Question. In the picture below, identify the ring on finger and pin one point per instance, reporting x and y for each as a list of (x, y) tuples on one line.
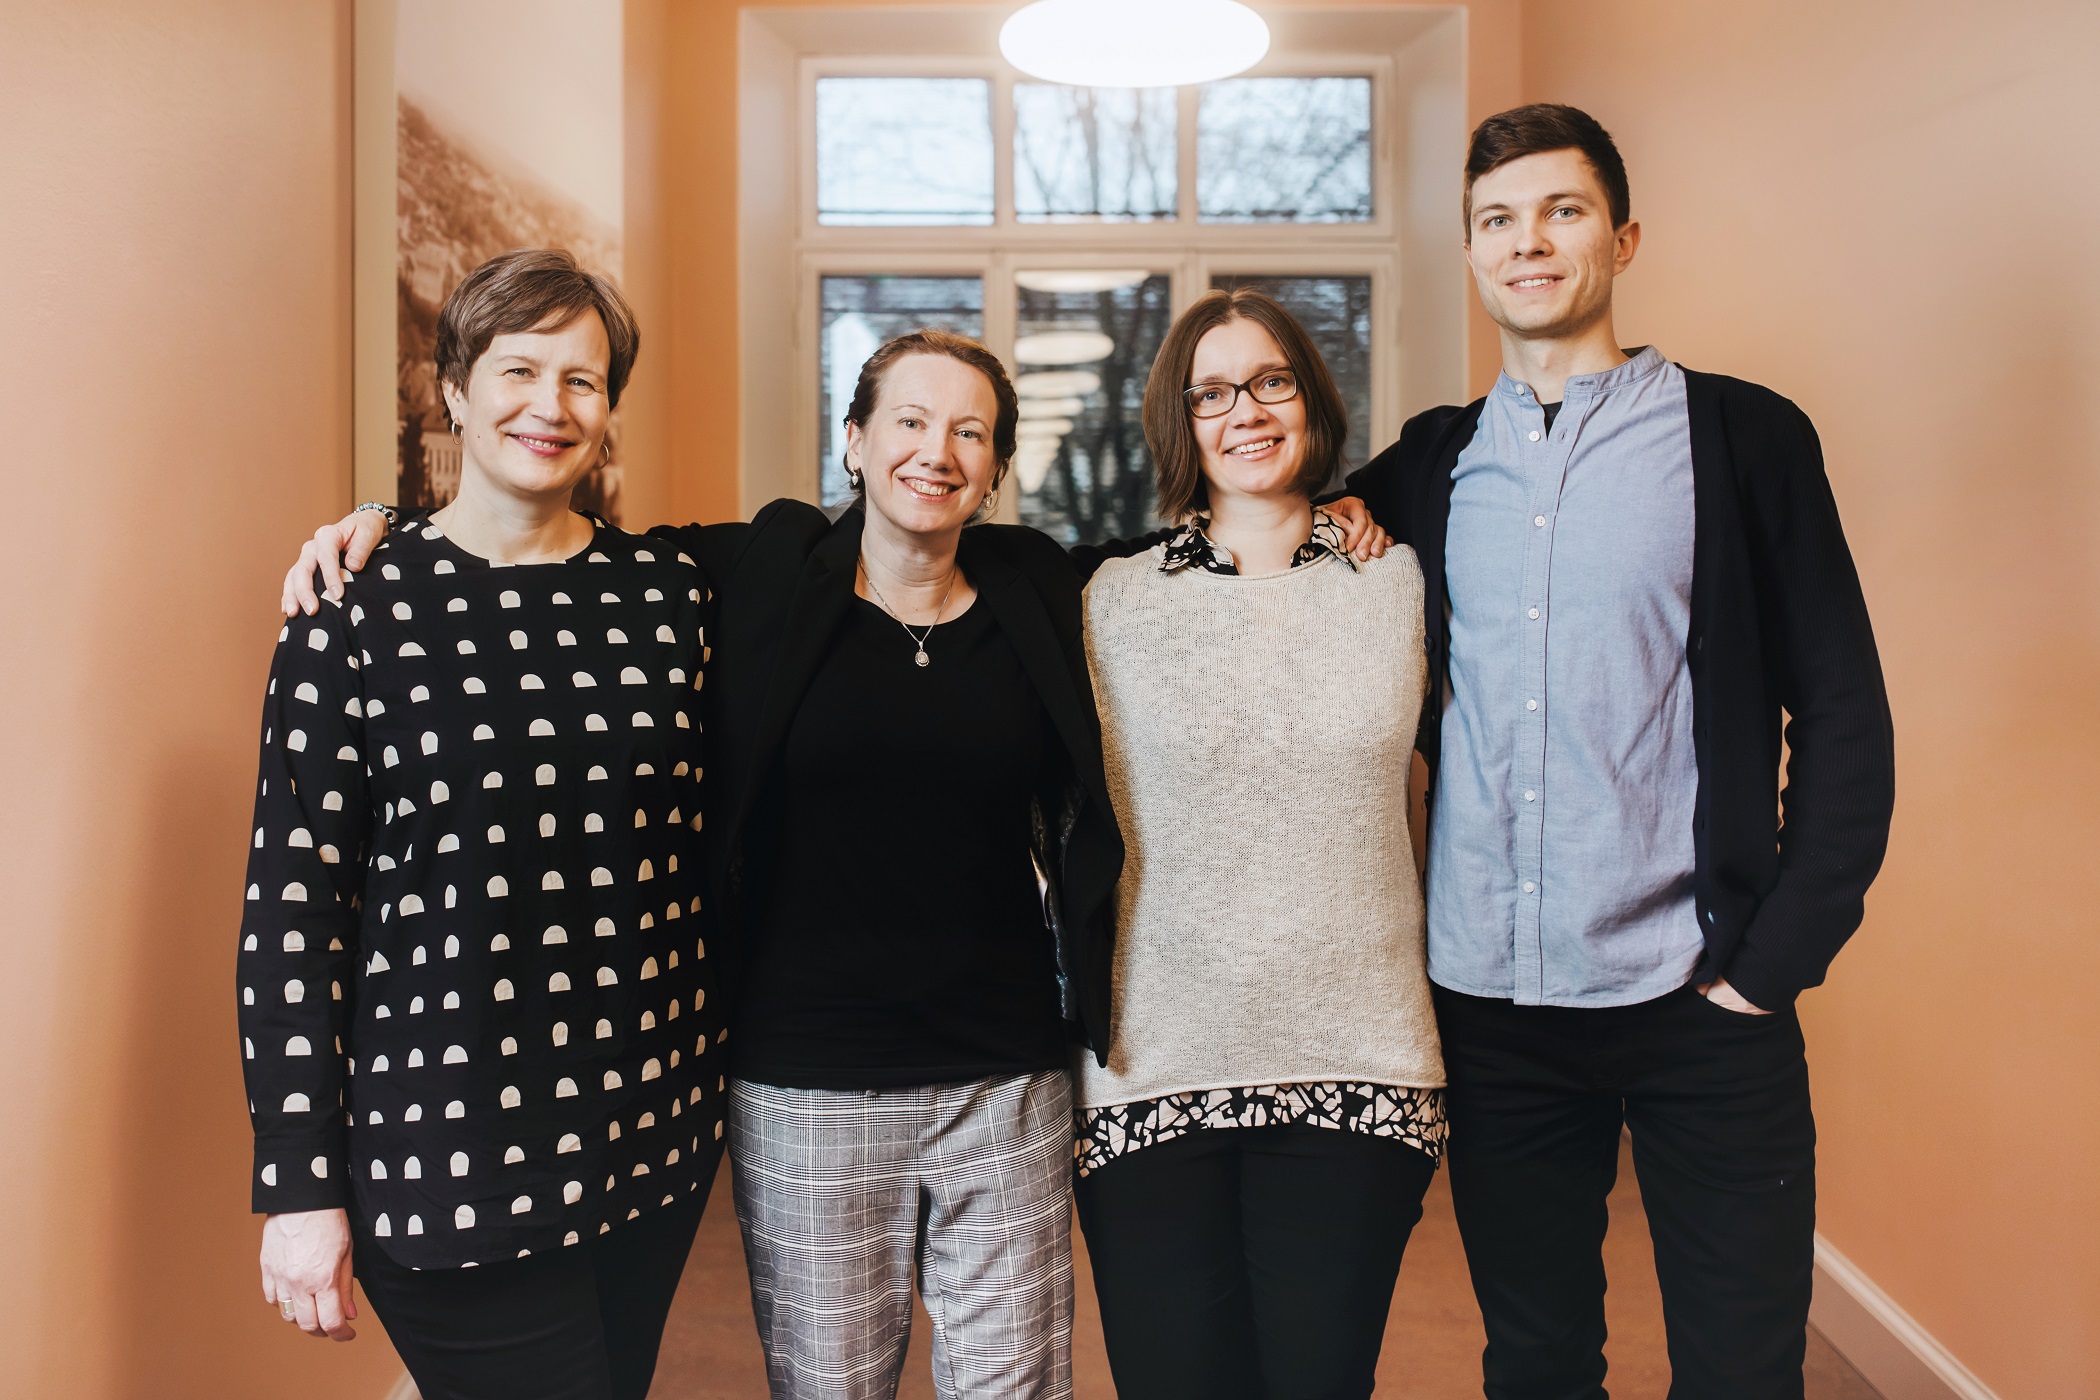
[(284, 1305)]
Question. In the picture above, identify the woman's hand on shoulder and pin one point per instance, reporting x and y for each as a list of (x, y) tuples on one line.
[(306, 1271), (345, 545), (1361, 535)]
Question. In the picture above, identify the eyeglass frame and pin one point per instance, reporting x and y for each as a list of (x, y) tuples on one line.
[(1237, 389)]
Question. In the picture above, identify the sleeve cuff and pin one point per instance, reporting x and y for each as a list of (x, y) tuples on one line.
[(291, 1176), (1761, 984)]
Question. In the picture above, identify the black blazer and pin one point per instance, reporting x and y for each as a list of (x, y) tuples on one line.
[(1779, 625), (780, 587)]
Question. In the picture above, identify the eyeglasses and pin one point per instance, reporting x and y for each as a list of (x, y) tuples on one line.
[(1214, 399)]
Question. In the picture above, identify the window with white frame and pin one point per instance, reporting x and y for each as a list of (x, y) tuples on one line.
[(1066, 227)]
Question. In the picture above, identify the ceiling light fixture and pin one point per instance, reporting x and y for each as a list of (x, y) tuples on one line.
[(1133, 43), (1113, 279), (1063, 348)]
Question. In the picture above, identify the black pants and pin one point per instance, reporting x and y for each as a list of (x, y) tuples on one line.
[(578, 1323), (1253, 1263), (1725, 1148)]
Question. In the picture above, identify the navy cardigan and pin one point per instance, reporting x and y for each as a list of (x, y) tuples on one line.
[(1779, 628)]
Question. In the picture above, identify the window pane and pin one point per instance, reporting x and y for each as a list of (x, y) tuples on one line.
[(904, 151), (1086, 340), (1336, 313), (858, 314), (1093, 153), (1284, 150)]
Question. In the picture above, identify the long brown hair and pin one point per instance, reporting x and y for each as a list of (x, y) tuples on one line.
[(1170, 429)]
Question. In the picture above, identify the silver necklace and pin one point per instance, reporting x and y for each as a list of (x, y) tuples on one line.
[(918, 638)]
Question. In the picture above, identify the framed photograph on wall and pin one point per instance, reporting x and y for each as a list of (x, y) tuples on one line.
[(481, 126)]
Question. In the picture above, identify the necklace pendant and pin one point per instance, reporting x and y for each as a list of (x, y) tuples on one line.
[(922, 658)]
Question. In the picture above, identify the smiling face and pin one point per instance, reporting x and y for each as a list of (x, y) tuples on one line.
[(1542, 247), (533, 414), (1255, 449), (925, 453)]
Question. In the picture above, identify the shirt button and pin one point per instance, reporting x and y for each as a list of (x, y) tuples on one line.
[(1530, 796), (1531, 704), (1534, 434), (1529, 887), (1539, 520), (1534, 614)]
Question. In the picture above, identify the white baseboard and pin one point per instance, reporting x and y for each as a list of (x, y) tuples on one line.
[(1885, 1344), (404, 1389)]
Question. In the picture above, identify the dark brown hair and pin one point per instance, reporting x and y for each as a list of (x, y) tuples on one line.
[(1170, 429), (955, 347), (531, 289), (1542, 127)]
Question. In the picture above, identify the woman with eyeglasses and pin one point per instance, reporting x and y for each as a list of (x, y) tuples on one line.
[(1253, 1155), (839, 869)]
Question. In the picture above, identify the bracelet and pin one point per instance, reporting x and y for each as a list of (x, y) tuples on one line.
[(392, 517)]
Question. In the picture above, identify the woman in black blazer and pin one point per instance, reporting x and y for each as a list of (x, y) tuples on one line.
[(903, 733), (910, 854)]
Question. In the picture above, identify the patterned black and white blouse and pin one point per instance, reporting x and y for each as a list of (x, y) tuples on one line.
[(1401, 1112), (1192, 547), (475, 1002)]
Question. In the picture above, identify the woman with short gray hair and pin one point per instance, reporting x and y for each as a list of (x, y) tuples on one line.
[(476, 1011)]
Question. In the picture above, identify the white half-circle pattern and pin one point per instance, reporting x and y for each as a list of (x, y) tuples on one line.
[(385, 798)]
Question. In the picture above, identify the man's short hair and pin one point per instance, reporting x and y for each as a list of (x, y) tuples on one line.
[(531, 289), (1542, 127)]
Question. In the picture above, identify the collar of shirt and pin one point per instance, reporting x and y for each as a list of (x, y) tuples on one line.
[(1192, 546), (1585, 388)]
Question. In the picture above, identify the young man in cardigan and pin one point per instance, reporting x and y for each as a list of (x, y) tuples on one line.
[(1635, 575)]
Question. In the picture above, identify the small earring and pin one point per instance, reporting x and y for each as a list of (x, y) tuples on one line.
[(853, 478), (990, 502), (455, 427)]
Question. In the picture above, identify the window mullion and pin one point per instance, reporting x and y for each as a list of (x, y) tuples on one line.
[(1002, 151), (1186, 100)]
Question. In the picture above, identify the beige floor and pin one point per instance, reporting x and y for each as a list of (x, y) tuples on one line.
[(1432, 1346)]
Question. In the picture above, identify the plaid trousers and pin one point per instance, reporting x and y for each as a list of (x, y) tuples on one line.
[(838, 1192)]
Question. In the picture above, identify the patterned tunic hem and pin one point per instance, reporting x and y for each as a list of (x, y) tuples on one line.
[(1404, 1113)]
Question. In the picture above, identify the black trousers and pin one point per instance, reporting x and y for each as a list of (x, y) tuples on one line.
[(1250, 1263), (1724, 1146), (579, 1323)]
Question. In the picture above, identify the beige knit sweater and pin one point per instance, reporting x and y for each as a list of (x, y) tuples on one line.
[(1258, 734)]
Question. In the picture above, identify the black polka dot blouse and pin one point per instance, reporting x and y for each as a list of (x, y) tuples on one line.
[(476, 1006)]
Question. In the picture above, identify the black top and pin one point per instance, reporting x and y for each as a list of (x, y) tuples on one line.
[(902, 939), (474, 1001), (1779, 627), (783, 588)]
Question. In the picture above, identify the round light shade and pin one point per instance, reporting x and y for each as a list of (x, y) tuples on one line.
[(1057, 383), (1063, 348), (1133, 43), (1112, 279)]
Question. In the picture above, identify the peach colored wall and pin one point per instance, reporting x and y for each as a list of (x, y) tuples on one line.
[(174, 267), (1883, 210)]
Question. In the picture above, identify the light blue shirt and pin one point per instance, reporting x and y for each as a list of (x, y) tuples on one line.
[(1560, 854)]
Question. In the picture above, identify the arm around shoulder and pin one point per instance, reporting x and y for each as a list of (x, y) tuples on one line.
[(720, 547)]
